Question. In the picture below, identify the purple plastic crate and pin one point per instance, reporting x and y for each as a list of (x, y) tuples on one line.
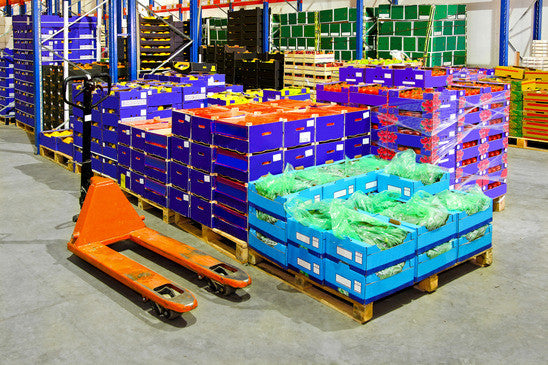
[(355, 147), (248, 138), (329, 127), (179, 201), (300, 157), (299, 132), (247, 168), (180, 149), (156, 168), (329, 152), (137, 161), (201, 183), (178, 175), (124, 155), (200, 210), (201, 156), (357, 123)]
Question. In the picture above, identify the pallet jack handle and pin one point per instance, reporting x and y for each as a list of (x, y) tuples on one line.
[(89, 84)]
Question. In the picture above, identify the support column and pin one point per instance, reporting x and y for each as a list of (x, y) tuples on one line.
[(132, 38), (112, 40), (504, 29), (359, 29), (194, 30), (537, 22), (36, 17), (266, 27)]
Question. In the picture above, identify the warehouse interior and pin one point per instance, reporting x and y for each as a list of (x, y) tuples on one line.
[(273, 181)]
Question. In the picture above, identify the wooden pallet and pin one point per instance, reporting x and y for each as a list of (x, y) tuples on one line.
[(7, 120), (59, 158), (221, 241), (528, 143), (338, 301), (168, 216), (78, 170), (23, 126), (499, 203)]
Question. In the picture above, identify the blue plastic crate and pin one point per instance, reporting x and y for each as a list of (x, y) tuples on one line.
[(178, 175), (179, 201), (406, 187), (310, 238), (425, 266), (306, 261), (469, 249), (276, 253), (277, 230)]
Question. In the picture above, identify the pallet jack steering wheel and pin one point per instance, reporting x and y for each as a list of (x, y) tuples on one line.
[(89, 85)]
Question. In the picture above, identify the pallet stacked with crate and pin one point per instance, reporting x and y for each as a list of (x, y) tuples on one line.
[(7, 91), (539, 56), (309, 68), (461, 126), (214, 31), (535, 114), (434, 32), (245, 28), (177, 41), (82, 49), (336, 257), (155, 43)]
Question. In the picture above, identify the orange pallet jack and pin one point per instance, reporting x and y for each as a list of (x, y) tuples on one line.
[(107, 217)]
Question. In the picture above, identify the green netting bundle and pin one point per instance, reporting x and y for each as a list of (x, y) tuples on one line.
[(273, 186), (364, 165), (438, 250), (311, 213), (477, 233), (373, 203), (404, 165), (266, 240), (472, 202), (422, 210), (266, 217), (321, 175), (391, 271), (348, 222)]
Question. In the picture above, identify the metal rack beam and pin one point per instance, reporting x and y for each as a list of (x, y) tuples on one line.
[(504, 30), (537, 20)]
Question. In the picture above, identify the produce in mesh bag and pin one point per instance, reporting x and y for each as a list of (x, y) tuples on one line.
[(390, 271), (422, 210), (266, 217), (477, 233), (472, 202), (404, 165), (438, 250), (273, 186), (373, 203), (348, 222), (364, 165), (311, 213), (321, 175)]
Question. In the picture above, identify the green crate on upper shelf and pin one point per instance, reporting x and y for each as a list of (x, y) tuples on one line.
[(415, 12)]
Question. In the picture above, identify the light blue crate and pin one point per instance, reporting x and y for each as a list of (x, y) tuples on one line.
[(308, 262), (467, 223), (277, 230), (308, 237), (469, 249), (340, 189), (425, 266), (367, 183), (276, 253), (406, 187), (366, 288)]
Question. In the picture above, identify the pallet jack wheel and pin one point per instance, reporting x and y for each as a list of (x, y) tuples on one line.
[(222, 289)]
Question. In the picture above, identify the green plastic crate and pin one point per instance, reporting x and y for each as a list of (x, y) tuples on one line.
[(370, 13), (424, 11), (420, 28), (212, 34), (340, 44), (352, 43), (421, 44), (285, 31), (396, 43), (352, 14), (452, 11), (309, 31), (437, 28), (451, 43), (296, 31), (440, 12), (292, 42), (301, 17), (385, 27), (346, 28), (437, 44), (411, 12), (409, 44), (292, 18), (275, 18), (396, 12), (324, 29), (459, 27), (369, 27), (335, 29), (434, 59), (416, 55), (447, 58), (459, 58), (284, 19), (326, 43), (403, 28), (326, 16), (301, 43), (383, 11), (311, 17), (347, 55), (221, 34), (340, 15), (383, 43), (384, 54), (461, 43), (448, 26), (310, 43)]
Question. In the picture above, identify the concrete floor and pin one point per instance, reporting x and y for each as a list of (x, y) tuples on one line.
[(55, 307)]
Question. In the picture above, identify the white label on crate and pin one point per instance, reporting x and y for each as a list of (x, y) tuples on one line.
[(128, 173), (444, 106), (437, 33), (87, 46), (365, 115), (452, 169), (87, 118), (382, 16), (194, 97), (408, 82), (365, 141), (358, 74), (308, 153), (315, 242), (339, 193), (316, 269), (277, 157), (144, 95), (150, 92), (406, 191), (127, 132), (142, 134), (186, 144), (359, 257), (388, 76), (185, 197), (103, 144), (187, 118), (452, 134), (453, 97), (378, 81), (134, 102), (343, 281), (357, 286), (303, 238), (351, 189), (203, 90), (419, 77), (143, 112), (141, 181), (207, 178), (353, 80), (303, 263), (340, 147), (344, 253), (310, 123), (393, 188), (304, 137), (371, 185), (317, 198), (452, 116)]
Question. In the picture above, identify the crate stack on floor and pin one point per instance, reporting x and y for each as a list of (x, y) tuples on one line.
[(437, 31), (245, 28), (309, 68), (214, 31), (177, 41), (7, 84), (535, 115), (155, 44), (337, 255), (82, 49)]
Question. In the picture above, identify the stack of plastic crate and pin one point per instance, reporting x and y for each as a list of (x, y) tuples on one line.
[(7, 93)]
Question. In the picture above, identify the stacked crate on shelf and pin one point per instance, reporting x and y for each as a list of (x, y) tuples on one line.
[(369, 32), (214, 31), (535, 114), (434, 32), (245, 28), (6, 30), (177, 41), (7, 84), (338, 32), (516, 108), (155, 44), (539, 56), (297, 31), (309, 68)]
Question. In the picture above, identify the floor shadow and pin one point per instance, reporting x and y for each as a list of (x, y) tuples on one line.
[(53, 178)]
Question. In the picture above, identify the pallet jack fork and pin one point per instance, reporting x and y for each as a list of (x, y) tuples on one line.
[(107, 217)]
